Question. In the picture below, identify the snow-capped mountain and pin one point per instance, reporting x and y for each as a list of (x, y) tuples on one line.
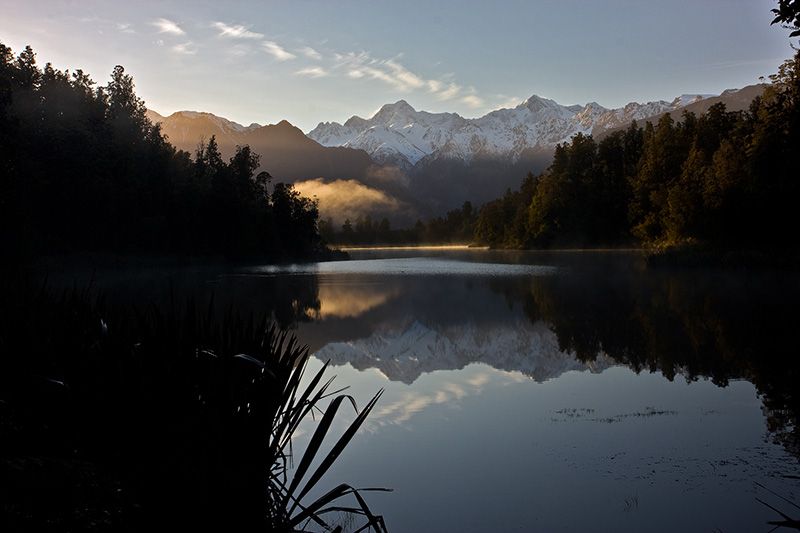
[(399, 134)]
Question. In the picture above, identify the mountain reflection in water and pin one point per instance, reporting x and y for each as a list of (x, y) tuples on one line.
[(520, 386)]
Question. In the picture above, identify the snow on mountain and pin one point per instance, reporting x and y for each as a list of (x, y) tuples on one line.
[(399, 134), (686, 99), (405, 353)]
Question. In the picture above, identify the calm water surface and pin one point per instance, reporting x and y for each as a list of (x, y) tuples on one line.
[(548, 392)]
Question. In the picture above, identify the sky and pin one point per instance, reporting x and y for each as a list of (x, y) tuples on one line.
[(310, 61)]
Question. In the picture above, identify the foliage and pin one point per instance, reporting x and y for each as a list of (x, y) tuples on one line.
[(723, 180), (788, 14), (115, 418), (83, 169), (455, 227), (503, 222)]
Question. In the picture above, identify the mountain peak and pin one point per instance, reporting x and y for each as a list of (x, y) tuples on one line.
[(537, 103), (401, 107)]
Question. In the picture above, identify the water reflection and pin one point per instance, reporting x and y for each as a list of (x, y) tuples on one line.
[(715, 325), (520, 387), (346, 300), (406, 352)]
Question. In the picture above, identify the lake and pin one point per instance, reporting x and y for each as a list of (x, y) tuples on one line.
[(524, 391)]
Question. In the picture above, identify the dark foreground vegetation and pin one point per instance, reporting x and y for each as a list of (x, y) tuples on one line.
[(720, 181), (82, 169), (178, 417)]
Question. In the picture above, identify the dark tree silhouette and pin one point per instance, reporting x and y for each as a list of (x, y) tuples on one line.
[(788, 14), (83, 169), (723, 180)]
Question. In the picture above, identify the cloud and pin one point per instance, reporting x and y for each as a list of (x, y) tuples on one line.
[(187, 49), (277, 51), (448, 93), (310, 53), (362, 66), (473, 101), (403, 76), (125, 28), (390, 71), (745, 63), (167, 26), (236, 32), (382, 75), (341, 199), (387, 176), (507, 102), (435, 86), (312, 72)]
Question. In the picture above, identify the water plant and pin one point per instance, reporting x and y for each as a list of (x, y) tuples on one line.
[(113, 417)]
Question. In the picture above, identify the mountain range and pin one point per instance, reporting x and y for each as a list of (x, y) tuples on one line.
[(286, 152), (400, 135), (420, 163)]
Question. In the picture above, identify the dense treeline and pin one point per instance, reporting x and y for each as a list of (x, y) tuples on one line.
[(83, 169), (722, 180), (455, 227)]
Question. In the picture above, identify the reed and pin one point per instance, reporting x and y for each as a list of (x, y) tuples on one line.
[(181, 415)]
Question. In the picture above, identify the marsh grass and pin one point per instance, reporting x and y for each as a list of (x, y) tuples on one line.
[(118, 418)]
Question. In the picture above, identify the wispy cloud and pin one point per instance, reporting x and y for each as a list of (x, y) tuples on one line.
[(746, 63), (125, 28), (361, 65), (506, 102), (187, 49), (311, 53), (312, 72), (236, 31), (473, 101), (392, 72), (404, 77), (277, 51), (448, 93), (167, 26), (435, 86)]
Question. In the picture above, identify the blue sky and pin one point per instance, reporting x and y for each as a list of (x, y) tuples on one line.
[(309, 61)]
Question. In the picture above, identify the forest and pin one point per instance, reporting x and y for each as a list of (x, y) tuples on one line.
[(83, 170), (454, 227), (723, 180)]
